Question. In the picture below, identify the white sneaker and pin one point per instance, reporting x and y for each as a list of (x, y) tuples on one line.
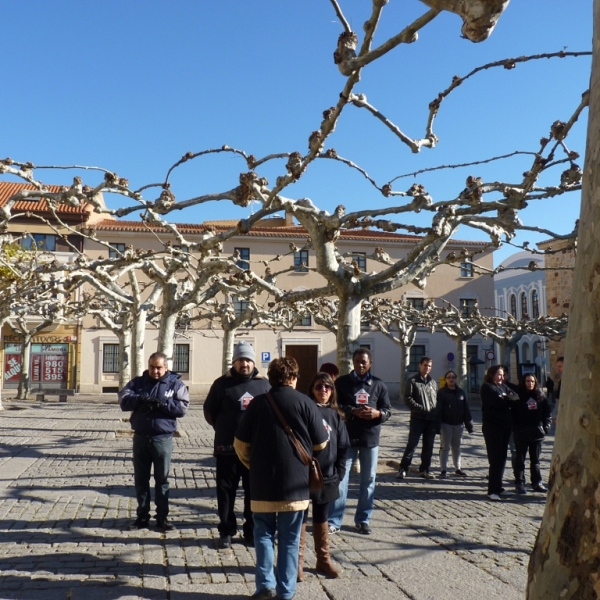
[(494, 497), (333, 529), (506, 493)]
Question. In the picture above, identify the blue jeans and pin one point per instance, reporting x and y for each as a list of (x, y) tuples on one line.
[(283, 577), (366, 495), (149, 451), (417, 428)]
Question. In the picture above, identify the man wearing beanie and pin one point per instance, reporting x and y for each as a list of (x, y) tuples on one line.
[(227, 400)]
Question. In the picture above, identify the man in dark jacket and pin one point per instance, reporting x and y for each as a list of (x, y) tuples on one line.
[(366, 404), (227, 401), (421, 398), (157, 398)]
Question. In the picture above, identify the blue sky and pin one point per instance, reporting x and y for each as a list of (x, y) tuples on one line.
[(131, 86)]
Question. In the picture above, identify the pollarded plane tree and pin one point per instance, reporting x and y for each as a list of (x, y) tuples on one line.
[(497, 217), (400, 321), (507, 331)]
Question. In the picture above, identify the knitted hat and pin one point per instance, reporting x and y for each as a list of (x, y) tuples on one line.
[(244, 350)]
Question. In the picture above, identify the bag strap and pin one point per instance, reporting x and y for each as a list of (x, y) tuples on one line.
[(299, 447)]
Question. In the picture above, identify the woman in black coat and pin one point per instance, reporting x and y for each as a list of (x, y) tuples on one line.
[(496, 402), (332, 460), (532, 419)]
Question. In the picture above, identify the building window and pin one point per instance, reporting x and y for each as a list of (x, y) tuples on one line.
[(417, 352), (513, 305), (239, 305), (418, 303), (110, 358), (466, 268), (41, 241), (306, 321), (244, 260), (181, 358), (116, 250), (361, 260), (535, 304), (301, 261), (524, 312), (467, 306)]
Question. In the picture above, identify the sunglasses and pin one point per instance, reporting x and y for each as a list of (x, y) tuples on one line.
[(323, 386), (450, 377)]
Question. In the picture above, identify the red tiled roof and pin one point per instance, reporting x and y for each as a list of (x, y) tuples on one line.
[(9, 188), (294, 231)]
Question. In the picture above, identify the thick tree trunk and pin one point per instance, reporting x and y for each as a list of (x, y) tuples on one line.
[(461, 363), (125, 356), (166, 334), (138, 342), (404, 363), (24, 381), (565, 562), (228, 342), (348, 331)]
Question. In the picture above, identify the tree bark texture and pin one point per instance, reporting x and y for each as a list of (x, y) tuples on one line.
[(348, 331), (565, 563)]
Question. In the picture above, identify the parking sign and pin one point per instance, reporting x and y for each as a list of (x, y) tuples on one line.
[(265, 357)]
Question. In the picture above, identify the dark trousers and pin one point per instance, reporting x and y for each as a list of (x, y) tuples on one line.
[(417, 428), (496, 442), (535, 449), (149, 452), (229, 472)]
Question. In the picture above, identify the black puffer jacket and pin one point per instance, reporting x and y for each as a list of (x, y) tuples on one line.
[(226, 403), (496, 404), (420, 395)]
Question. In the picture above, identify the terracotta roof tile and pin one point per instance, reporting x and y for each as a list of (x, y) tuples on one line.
[(271, 232), (10, 188)]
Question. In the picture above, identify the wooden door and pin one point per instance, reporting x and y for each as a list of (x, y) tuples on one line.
[(307, 357)]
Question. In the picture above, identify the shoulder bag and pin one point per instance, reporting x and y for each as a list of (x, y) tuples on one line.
[(315, 476)]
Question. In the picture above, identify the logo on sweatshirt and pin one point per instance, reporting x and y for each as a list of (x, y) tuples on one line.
[(327, 429), (169, 394), (245, 401), (362, 397)]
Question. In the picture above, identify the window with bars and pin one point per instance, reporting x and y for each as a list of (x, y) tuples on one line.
[(301, 261), (524, 311), (418, 303), (41, 241), (116, 250), (181, 358), (306, 321), (513, 305), (239, 305), (535, 304), (244, 260), (467, 306), (110, 358), (466, 268), (417, 352), (361, 260)]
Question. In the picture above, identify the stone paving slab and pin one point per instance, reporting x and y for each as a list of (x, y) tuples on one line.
[(66, 499)]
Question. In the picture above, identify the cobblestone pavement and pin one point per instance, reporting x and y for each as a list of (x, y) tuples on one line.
[(66, 498)]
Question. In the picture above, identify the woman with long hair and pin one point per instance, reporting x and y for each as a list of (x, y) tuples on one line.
[(496, 402), (532, 419), (332, 460)]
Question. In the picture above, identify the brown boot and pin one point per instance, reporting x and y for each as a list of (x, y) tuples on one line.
[(324, 564), (301, 553)]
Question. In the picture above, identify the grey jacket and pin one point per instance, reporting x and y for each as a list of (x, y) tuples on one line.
[(421, 397)]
